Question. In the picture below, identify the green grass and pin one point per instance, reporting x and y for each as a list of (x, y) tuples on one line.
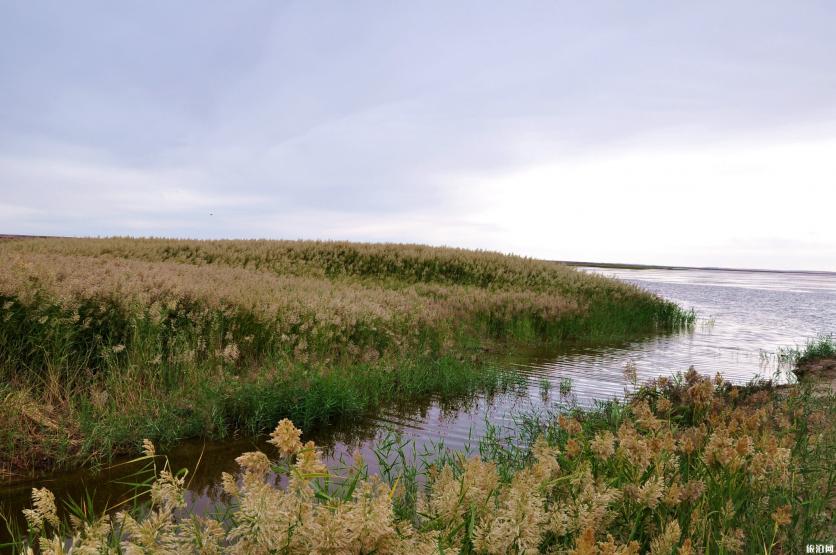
[(35, 434), (815, 349), (824, 346)]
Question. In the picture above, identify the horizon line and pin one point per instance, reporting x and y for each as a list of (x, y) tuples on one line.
[(573, 263)]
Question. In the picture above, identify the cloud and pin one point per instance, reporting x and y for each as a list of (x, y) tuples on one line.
[(495, 126), (760, 204)]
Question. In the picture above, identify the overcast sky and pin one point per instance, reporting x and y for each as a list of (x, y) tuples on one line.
[(700, 133)]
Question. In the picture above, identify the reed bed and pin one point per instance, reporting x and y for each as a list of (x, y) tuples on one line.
[(686, 465), (104, 341)]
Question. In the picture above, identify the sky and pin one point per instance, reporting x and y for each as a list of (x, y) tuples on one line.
[(698, 133)]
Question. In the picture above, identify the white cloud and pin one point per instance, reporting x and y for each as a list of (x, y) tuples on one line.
[(768, 205)]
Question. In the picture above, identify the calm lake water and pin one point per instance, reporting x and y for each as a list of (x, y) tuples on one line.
[(743, 318)]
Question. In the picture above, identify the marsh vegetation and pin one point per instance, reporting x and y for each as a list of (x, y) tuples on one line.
[(688, 464), (104, 342), (815, 350)]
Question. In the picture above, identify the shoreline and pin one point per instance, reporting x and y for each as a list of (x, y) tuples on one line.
[(689, 462), (631, 266), (107, 341)]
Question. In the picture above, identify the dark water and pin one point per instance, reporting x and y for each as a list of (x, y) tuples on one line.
[(743, 318)]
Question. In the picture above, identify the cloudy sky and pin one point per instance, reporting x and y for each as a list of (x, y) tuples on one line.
[(699, 133)]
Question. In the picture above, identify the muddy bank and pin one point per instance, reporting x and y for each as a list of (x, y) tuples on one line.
[(821, 371)]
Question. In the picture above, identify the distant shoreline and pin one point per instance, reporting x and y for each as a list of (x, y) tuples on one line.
[(614, 265), (629, 266)]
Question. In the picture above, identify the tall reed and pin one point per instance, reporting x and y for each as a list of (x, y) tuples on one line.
[(102, 340), (687, 465)]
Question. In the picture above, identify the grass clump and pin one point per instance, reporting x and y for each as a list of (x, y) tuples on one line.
[(824, 346), (106, 341), (687, 465), (817, 359)]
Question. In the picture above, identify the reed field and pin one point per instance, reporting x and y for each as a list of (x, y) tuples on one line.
[(104, 342), (686, 465)]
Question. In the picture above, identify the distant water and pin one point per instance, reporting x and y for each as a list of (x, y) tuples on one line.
[(743, 317)]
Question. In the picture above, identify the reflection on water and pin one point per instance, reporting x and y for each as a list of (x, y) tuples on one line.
[(742, 318)]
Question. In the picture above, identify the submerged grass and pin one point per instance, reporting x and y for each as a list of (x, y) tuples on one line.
[(686, 465), (106, 341)]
